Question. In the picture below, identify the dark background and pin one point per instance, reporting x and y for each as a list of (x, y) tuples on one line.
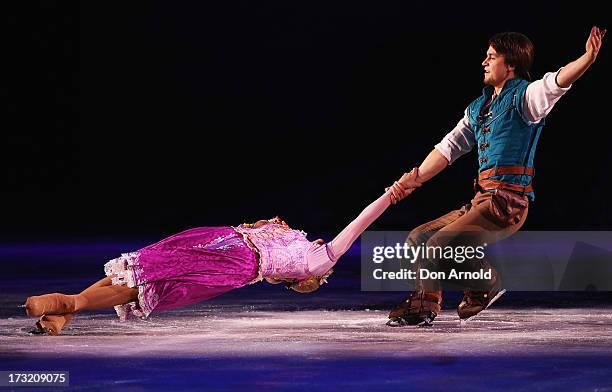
[(146, 118)]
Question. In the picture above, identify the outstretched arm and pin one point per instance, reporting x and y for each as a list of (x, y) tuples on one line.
[(542, 94), (455, 144), (431, 166), (343, 241), (321, 257), (574, 70)]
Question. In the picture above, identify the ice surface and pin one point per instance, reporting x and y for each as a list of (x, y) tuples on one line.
[(222, 345), (266, 337), (235, 331)]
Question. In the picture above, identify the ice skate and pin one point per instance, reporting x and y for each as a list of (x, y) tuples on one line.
[(420, 309), (36, 330), (55, 303), (474, 302)]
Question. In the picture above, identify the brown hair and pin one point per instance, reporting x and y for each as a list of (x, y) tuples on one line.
[(517, 50)]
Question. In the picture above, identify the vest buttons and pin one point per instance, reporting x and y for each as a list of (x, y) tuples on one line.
[(483, 160), (484, 146), (486, 130)]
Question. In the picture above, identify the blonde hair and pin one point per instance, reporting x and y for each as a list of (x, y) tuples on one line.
[(307, 285)]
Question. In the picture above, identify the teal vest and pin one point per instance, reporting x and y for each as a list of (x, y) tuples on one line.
[(504, 137)]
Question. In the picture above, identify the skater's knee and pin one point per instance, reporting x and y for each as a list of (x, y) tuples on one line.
[(418, 236), (413, 238)]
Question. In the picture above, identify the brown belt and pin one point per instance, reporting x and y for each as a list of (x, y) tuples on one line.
[(495, 184), (494, 171)]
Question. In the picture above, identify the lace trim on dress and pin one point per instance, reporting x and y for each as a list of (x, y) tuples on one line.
[(125, 270), (246, 239)]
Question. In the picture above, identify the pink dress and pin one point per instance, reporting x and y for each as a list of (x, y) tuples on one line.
[(201, 263)]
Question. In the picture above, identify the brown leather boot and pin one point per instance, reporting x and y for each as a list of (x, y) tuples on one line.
[(474, 302), (421, 308), (52, 324), (55, 303)]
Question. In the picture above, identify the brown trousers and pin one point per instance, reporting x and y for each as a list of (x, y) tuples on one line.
[(488, 218)]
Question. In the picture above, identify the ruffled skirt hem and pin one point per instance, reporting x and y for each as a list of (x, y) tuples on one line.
[(123, 271)]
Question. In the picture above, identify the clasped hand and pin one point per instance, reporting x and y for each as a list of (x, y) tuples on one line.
[(404, 186)]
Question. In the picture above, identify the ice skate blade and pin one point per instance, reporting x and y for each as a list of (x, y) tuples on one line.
[(36, 331), (395, 323), (399, 322), (501, 292)]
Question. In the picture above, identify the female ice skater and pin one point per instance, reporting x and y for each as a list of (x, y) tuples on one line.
[(204, 262)]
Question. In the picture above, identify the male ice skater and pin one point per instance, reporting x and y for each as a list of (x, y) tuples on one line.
[(504, 124)]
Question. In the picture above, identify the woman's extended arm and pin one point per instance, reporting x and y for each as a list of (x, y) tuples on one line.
[(343, 241)]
